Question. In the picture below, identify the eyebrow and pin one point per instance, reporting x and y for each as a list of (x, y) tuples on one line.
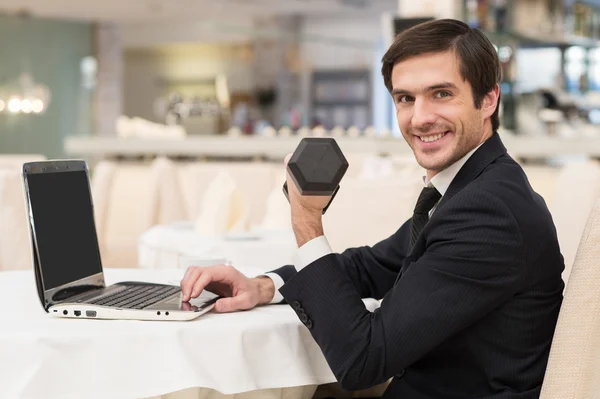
[(438, 86)]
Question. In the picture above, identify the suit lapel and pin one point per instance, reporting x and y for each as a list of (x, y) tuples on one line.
[(490, 150), (487, 153)]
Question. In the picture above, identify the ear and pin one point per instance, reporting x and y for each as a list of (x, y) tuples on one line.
[(490, 101)]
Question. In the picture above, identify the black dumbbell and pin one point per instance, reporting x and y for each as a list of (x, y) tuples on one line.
[(317, 167)]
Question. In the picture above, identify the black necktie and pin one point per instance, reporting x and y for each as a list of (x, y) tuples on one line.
[(427, 199)]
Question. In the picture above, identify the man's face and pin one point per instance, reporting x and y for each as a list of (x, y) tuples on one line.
[(436, 112)]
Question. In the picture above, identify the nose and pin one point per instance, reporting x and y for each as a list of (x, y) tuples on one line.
[(423, 115)]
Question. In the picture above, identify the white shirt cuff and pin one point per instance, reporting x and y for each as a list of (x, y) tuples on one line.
[(311, 251), (278, 281)]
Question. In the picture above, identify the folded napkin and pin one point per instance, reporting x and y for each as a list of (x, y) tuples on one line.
[(353, 131), (277, 215), (285, 131), (370, 131), (319, 131), (338, 131), (166, 202), (223, 208), (269, 131)]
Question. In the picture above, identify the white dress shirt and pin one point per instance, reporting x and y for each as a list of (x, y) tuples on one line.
[(319, 246)]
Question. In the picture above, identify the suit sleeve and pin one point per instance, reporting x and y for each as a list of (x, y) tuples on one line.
[(472, 264), (371, 270)]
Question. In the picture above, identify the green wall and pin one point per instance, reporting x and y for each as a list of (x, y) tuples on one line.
[(52, 51)]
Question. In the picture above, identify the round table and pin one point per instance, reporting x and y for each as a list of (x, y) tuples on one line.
[(260, 349)]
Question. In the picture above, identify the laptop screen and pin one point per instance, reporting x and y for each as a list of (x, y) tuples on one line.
[(63, 217)]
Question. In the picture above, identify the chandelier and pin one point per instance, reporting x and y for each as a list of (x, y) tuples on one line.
[(24, 96)]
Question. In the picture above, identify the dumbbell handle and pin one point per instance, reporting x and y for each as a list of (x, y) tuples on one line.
[(285, 191)]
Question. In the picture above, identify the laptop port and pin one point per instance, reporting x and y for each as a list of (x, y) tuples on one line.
[(90, 313), (77, 313)]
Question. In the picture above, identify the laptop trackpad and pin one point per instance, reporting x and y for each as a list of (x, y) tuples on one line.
[(205, 299)]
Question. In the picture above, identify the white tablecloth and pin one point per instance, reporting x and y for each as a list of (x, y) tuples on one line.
[(45, 357), (170, 246)]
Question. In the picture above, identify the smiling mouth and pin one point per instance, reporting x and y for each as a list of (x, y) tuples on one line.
[(432, 137)]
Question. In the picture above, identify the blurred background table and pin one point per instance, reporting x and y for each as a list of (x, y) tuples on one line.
[(178, 245)]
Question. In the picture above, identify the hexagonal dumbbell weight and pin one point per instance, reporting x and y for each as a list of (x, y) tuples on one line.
[(317, 167)]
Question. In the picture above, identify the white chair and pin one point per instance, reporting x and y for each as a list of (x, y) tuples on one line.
[(576, 190), (167, 204), (17, 160), (573, 370), (15, 236), (141, 196), (102, 178), (129, 199)]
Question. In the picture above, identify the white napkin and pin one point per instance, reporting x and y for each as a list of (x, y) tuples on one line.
[(285, 131), (269, 131), (223, 207), (234, 131), (370, 131), (239, 213), (338, 131), (304, 131), (277, 215), (166, 204), (319, 131), (353, 131)]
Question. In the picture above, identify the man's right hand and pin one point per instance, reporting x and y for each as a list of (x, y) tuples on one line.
[(241, 292)]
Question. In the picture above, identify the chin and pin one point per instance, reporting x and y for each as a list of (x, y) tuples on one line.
[(435, 164)]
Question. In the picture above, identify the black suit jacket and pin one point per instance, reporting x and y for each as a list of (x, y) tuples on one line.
[(469, 312)]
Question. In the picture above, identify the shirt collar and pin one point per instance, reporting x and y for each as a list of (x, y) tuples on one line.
[(442, 180)]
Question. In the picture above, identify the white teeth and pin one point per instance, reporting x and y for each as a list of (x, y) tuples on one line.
[(429, 139)]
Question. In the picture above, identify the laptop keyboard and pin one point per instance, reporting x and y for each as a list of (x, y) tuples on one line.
[(135, 296)]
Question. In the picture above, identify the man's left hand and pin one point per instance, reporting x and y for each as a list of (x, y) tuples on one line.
[(307, 211)]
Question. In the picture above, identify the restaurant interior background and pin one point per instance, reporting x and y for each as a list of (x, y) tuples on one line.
[(184, 111)]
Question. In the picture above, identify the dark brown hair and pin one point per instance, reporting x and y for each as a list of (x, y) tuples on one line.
[(479, 64)]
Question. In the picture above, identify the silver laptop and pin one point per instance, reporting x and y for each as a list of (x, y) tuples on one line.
[(67, 264)]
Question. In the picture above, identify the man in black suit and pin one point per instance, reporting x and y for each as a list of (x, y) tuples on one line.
[(471, 285)]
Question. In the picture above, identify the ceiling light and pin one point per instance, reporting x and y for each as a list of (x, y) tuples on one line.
[(37, 106), (26, 106), (14, 105)]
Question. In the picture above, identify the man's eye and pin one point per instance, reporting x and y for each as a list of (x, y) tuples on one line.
[(443, 94), (403, 99)]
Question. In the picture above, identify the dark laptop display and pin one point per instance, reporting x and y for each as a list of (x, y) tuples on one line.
[(66, 235)]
